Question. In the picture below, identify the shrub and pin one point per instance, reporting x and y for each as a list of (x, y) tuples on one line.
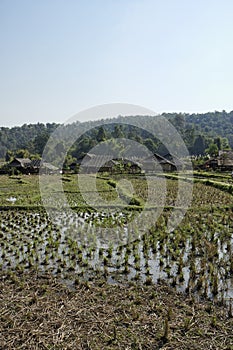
[(112, 183)]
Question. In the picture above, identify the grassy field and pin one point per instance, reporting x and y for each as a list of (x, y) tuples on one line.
[(25, 189), (195, 259)]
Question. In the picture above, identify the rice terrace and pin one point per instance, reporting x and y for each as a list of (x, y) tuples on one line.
[(196, 260), (66, 285)]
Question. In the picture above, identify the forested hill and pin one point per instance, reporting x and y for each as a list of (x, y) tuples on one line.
[(201, 132), (28, 137), (209, 124)]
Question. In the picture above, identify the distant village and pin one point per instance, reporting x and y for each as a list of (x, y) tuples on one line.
[(92, 163)]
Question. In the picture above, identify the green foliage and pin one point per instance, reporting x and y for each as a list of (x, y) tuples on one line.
[(135, 201), (112, 183), (30, 137), (101, 136), (212, 150), (199, 131), (22, 153), (9, 156), (199, 145)]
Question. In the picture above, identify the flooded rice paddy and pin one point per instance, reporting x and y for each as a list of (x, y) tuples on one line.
[(197, 257)]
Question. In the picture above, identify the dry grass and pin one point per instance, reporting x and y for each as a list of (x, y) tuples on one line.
[(38, 312)]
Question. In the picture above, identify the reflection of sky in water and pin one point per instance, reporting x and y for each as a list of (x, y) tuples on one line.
[(75, 243)]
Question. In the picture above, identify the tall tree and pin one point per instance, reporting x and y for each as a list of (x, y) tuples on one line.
[(118, 132), (101, 135), (199, 145)]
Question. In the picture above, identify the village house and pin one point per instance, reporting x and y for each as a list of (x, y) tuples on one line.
[(131, 166), (28, 166), (21, 164), (175, 160), (223, 162), (92, 163), (158, 163)]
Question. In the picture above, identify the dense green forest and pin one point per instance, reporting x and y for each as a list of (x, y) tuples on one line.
[(202, 134)]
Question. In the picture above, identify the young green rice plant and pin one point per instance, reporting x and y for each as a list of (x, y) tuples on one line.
[(148, 271), (137, 276), (230, 310), (136, 257), (181, 277), (110, 251), (148, 281), (105, 260), (215, 283), (161, 261)]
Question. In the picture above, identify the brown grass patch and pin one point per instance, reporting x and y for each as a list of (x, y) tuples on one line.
[(39, 312)]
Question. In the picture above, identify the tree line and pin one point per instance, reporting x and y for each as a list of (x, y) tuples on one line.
[(202, 133)]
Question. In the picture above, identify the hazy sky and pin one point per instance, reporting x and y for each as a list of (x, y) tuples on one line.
[(62, 56)]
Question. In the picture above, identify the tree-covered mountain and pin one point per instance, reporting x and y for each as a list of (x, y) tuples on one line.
[(213, 127), (28, 137), (202, 133)]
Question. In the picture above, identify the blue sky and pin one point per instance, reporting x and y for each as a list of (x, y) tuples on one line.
[(59, 57)]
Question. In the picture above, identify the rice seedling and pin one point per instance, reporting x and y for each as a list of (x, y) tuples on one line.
[(185, 258)]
